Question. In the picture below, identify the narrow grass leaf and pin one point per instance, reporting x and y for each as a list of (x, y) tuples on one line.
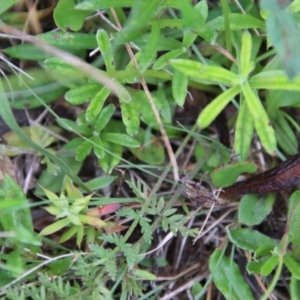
[(179, 87), (262, 123), (201, 71), (228, 278), (212, 110)]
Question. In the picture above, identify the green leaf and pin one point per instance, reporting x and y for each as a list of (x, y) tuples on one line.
[(148, 54), (58, 225), (253, 209), (98, 147), (66, 17), (104, 117), (292, 265), (274, 80), (250, 240), (228, 278), (237, 22), (285, 135), (26, 52), (112, 158), (269, 266), (141, 274), (103, 4), (84, 94), (245, 64), (120, 139), (192, 18), (100, 182), (10, 191), (211, 111), (96, 104), (179, 87), (243, 132), (130, 117), (7, 4), (294, 221), (69, 40), (294, 288), (151, 151), (92, 221), (163, 60), (228, 175), (261, 120), (105, 49), (200, 71), (282, 31), (83, 150)]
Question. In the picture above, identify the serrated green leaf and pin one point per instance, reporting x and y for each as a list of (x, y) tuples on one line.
[(243, 132), (96, 104), (227, 175), (179, 87), (262, 123), (201, 71), (228, 278), (249, 239), (105, 49), (130, 117), (211, 111), (103, 118), (253, 209), (83, 93)]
